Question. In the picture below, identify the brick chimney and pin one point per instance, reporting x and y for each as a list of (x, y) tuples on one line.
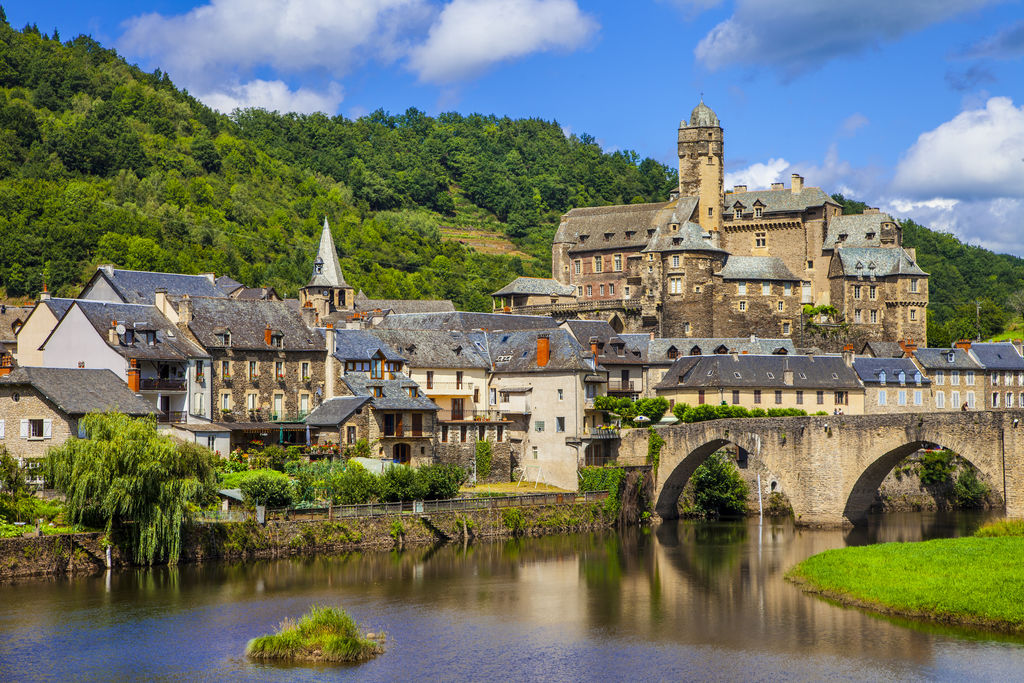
[(266, 335), (45, 294), (964, 344), (543, 349), (112, 332), (134, 376), (6, 364), (797, 183), (848, 355), (739, 188), (908, 346), (593, 347)]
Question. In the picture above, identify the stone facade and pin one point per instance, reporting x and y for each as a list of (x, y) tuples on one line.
[(56, 427), (240, 396)]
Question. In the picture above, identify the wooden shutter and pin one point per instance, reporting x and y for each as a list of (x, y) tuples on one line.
[(24, 429), (47, 429)]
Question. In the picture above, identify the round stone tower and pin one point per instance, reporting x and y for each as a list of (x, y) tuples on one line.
[(701, 159)]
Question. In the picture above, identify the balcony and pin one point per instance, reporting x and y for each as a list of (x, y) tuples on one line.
[(155, 384), (403, 433), (171, 417), (599, 434), (619, 386), (471, 416), (514, 407), (288, 417), (447, 388)]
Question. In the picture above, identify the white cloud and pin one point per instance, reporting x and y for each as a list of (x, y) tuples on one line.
[(989, 223), (758, 175), (274, 96), (799, 35), (852, 124), (979, 154), (471, 35)]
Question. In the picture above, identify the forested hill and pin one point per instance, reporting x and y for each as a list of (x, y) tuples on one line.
[(959, 276), (101, 162)]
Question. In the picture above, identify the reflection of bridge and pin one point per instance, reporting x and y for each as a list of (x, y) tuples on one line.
[(831, 466)]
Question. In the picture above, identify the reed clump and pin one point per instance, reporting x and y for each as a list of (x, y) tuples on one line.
[(323, 634)]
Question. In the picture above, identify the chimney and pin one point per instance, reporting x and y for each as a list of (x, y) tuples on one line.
[(266, 335), (211, 277), (964, 344), (735, 354), (797, 183), (739, 188), (160, 300), (6, 365), (108, 269), (45, 294), (848, 355), (112, 332), (753, 338), (134, 376), (593, 348), (787, 376), (543, 349), (185, 313), (778, 186), (652, 335), (908, 346)]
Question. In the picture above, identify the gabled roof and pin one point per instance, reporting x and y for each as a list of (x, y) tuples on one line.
[(536, 285), (395, 392), (77, 392), (757, 268), (782, 201), (633, 347), (619, 227), (11, 320), (365, 304), (139, 286), (227, 284), (883, 349), (247, 320), (861, 230), (327, 263), (809, 372), (689, 237), (658, 348), (870, 370), (362, 345), (334, 411), (170, 343), (465, 321), (939, 359), (436, 348), (516, 351), (877, 261), (997, 356)]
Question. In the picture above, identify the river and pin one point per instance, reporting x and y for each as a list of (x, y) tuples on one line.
[(682, 602)]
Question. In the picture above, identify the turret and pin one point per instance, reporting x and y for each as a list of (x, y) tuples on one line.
[(701, 165), (327, 291)]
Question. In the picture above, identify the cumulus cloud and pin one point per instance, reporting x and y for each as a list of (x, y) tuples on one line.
[(979, 154), (852, 124), (990, 223), (800, 35), (1006, 44), (757, 175), (273, 96), (471, 35)]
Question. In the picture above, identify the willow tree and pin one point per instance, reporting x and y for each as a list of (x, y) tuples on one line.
[(143, 486)]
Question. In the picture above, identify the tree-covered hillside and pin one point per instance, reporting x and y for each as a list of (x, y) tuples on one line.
[(101, 162)]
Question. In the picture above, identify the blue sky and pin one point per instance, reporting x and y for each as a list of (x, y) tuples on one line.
[(916, 106)]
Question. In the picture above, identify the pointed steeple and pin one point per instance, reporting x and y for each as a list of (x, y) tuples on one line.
[(326, 267)]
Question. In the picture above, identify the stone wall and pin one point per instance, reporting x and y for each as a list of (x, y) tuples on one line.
[(31, 405), (54, 555), (464, 454), (267, 384)]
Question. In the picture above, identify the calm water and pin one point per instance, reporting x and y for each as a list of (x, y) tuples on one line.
[(687, 601)]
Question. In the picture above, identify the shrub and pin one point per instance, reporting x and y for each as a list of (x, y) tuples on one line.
[(654, 444), (1003, 527), (275, 457), (513, 520), (323, 633), (442, 481), (293, 453), (718, 488), (400, 483), (354, 485), (937, 467), (483, 460), (360, 449), (968, 490), (604, 479), (706, 411), (262, 488)]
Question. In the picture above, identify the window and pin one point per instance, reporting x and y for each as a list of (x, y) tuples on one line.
[(561, 394), (940, 399), (741, 288), (786, 328), (954, 399), (902, 397), (856, 315), (882, 397), (873, 292), (940, 377), (810, 265), (766, 288), (969, 378), (675, 260), (742, 305), (913, 285), (760, 239), (821, 398), (618, 261), (481, 432), (254, 369), (493, 396), (197, 403), (534, 452), (954, 378), (251, 400), (778, 396), (464, 433), (225, 401), (279, 369), (757, 211), (499, 435), (913, 314), (757, 395), (1009, 399), (874, 316), (611, 290), (225, 369), (579, 290), (995, 379), (735, 397), (686, 329), (458, 379), (304, 371), (35, 429), (430, 380), (590, 290), (700, 397), (675, 285), (601, 290), (278, 406), (378, 392), (538, 425), (577, 266), (970, 400), (995, 399), (841, 398), (559, 424), (625, 291), (781, 307), (350, 434), (799, 397), (787, 289), (376, 368), (737, 213), (277, 341), (711, 209), (856, 291), (444, 433), (224, 338), (598, 264)]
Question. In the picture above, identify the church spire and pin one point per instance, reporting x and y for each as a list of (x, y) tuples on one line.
[(326, 267)]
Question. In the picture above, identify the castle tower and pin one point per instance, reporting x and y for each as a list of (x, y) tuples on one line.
[(701, 159), (327, 291)]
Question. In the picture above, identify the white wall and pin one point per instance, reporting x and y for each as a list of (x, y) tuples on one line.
[(76, 341), (32, 334)]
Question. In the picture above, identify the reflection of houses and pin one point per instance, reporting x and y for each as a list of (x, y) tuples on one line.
[(40, 407), (811, 383), (136, 342), (893, 385)]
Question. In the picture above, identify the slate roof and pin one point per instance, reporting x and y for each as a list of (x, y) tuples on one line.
[(883, 349), (253, 293), (938, 359), (227, 284), (362, 303), (870, 370), (327, 257), (362, 345), (247, 321), (657, 349), (809, 372), (632, 346), (139, 286), (516, 351), (757, 268), (465, 321), (395, 392), (619, 227), (77, 392), (780, 201), (856, 227), (536, 285), (436, 348), (997, 356), (877, 261), (689, 237), (170, 344), (9, 316), (334, 411)]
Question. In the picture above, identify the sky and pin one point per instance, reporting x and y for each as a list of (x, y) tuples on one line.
[(914, 106)]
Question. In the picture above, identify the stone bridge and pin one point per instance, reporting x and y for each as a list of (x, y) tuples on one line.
[(830, 467)]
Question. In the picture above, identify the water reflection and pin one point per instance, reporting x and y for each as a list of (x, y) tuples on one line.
[(682, 601)]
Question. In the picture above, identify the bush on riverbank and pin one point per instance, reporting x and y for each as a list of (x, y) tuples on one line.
[(322, 634), (1003, 527)]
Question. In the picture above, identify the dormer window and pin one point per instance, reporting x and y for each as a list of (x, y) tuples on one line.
[(674, 227), (673, 352), (411, 391), (149, 336), (583, 238), (608, 236), (129, 337), (902, 377), (949, 357), (870, 236), (917, 378), (650, 233), (378, 392), (277, 340), (841, 237), (224, 338), (881, 377), (758, 211)]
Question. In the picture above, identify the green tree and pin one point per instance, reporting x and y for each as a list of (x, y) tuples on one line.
[(141, 485), (718, 489), (354, 485), (12, 475), (263, 488)]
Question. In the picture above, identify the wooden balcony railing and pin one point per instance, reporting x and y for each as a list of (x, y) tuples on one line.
[(471, 416), (171, 417), (154, 384)]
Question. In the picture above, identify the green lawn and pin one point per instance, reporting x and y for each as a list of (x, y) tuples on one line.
[(969, 581)]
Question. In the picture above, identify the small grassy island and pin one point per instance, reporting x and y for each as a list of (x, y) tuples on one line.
[(323, 634), (975, 581)]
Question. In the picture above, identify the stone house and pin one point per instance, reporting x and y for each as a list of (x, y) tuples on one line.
[(957, 378), (1003, 373), (37, 327), (532, 291), (139, 286), (137, 343), (811, 383), (661, 353), (893, 385), (341, 420), (12, 318), (40, 408), (623, 356)]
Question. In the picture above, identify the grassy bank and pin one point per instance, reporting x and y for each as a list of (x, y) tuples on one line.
[(966, 581), (323, 634)]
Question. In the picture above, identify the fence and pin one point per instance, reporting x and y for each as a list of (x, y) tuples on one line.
[(334, 512)]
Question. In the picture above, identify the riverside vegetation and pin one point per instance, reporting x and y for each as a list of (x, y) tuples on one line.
[(323, 634), (966, 581)]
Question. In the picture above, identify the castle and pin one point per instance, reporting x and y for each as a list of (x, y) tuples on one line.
[(716, 263)]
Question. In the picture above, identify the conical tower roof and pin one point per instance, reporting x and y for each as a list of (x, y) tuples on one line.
[(326, 267)]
